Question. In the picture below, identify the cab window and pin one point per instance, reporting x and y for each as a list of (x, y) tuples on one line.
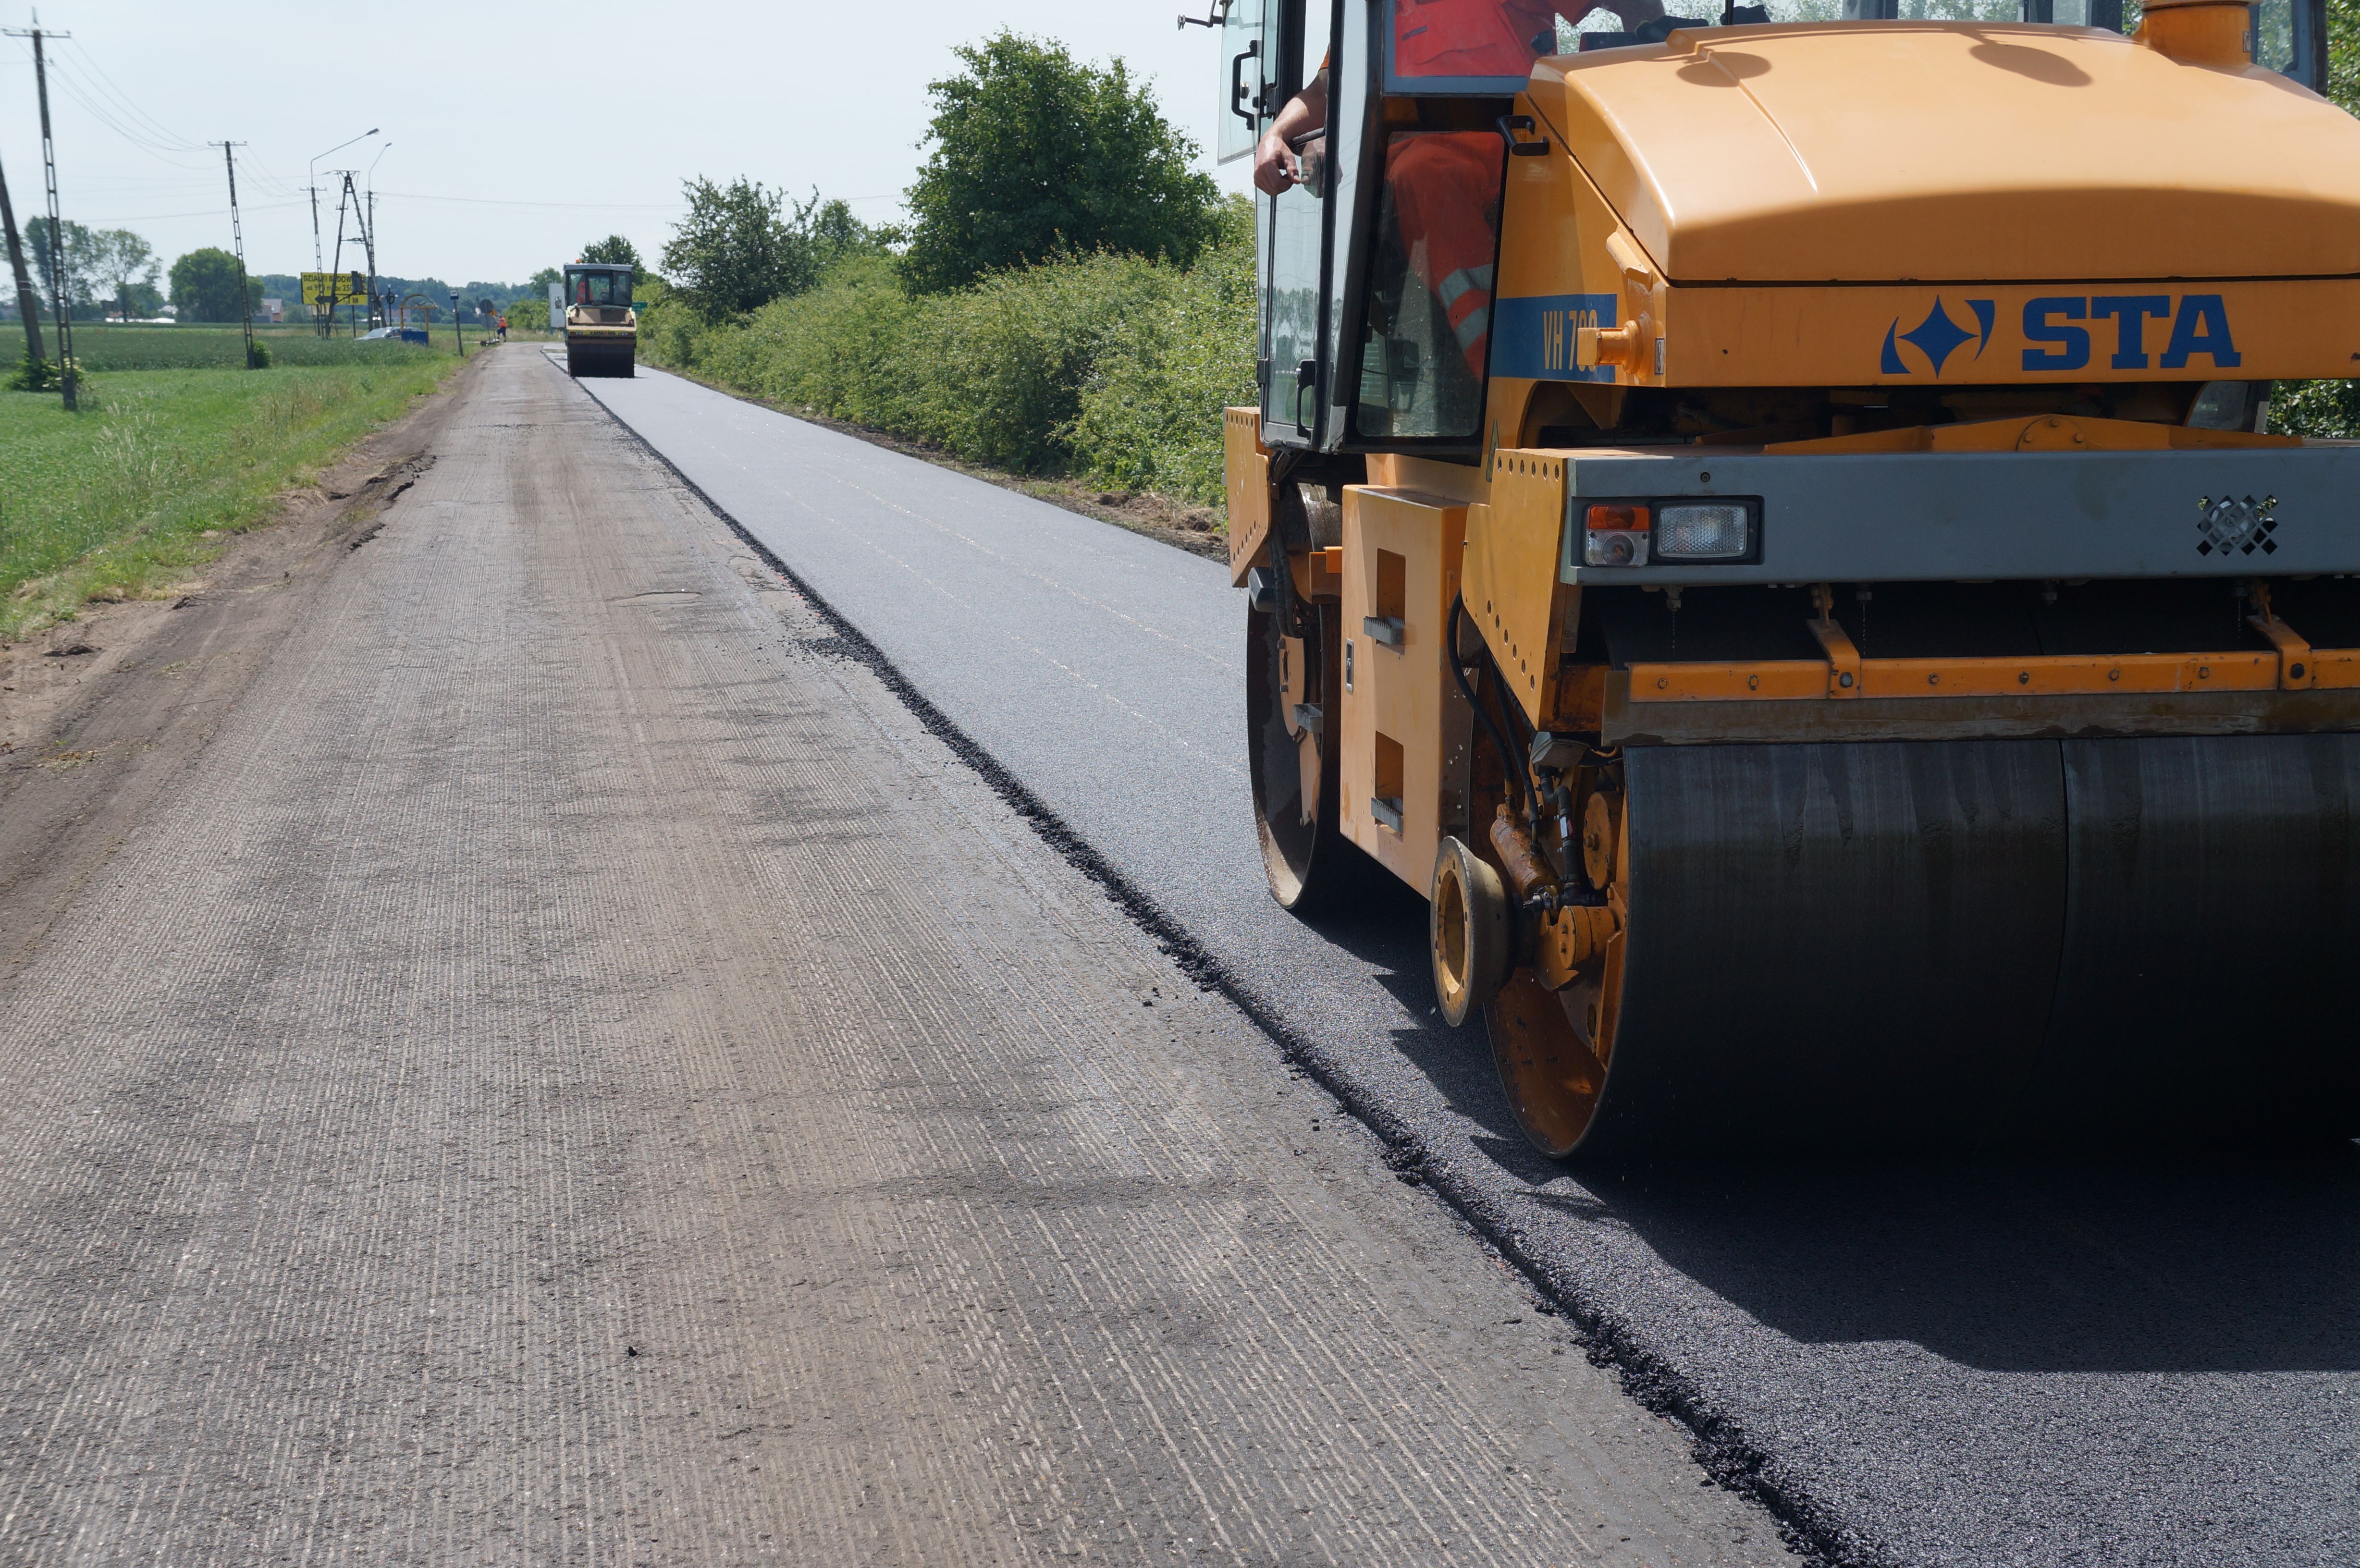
[(601, 288), (1431, 265)]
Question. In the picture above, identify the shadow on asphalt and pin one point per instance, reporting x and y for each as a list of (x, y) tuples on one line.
[(2222, 1262), (2229, 1263), (1382, 923)]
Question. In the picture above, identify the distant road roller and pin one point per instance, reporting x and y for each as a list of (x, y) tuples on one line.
[(602, 327), (1771, 527)]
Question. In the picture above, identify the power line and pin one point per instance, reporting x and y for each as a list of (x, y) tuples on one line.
[(180, 142), (578, 206), (91, 101), (196, 212)]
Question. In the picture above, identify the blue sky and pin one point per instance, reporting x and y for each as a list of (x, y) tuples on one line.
[(517, 132)]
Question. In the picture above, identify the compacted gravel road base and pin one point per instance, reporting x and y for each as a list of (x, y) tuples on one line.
[(570, 1069)]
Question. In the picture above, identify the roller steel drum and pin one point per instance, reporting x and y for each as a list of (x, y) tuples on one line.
[(1966, 943)]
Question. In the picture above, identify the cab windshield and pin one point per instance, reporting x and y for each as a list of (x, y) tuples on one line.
[(598, 286)]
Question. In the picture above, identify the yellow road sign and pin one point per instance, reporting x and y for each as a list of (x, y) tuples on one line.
[(334, 287)]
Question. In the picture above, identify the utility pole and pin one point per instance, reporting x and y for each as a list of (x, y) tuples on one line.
[(237, 238), (29, 304), (314, 177), (371, 233), (347, 193), (58, 279), (377, 317)]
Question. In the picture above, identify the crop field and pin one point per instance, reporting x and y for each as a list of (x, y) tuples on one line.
[(119, 499), (100, 349)]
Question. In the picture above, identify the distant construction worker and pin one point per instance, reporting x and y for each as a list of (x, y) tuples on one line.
[(1445, 185)]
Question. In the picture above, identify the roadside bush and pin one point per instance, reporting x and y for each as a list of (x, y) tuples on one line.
[(1011, 356), (1111, 368), (33, 374), (846, 349), (1150, 413)]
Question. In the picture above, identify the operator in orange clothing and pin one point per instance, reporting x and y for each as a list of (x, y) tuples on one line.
[(1446, 184)]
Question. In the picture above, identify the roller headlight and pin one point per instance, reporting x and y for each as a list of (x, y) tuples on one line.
[(1673, 531), (1703, 530)]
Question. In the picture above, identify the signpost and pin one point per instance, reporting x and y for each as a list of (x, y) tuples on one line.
[(323, 291)]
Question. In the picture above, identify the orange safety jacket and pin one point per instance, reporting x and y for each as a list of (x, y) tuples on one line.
[(1446, 190), (1471, 38)]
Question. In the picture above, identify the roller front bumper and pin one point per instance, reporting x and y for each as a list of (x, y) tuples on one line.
[(1943, 516)]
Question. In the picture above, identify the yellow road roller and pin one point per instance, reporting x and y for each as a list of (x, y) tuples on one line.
[(602, 327), (1771, 524)]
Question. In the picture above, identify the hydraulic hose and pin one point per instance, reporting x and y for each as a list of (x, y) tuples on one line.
[(1511, 765)]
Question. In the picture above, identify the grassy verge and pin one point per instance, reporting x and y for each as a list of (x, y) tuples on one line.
[(120, 499)]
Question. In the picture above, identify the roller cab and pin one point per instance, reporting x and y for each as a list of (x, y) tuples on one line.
[(1774, 529), (602, 326)]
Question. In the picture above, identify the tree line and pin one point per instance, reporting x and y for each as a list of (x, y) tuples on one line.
[(116, 273), (1032, 156), (1068, 295)]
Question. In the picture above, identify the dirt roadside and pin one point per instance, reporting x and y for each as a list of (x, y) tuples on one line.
[(88, 738)]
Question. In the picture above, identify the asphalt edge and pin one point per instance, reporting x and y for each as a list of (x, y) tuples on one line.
[(1720, 1449)]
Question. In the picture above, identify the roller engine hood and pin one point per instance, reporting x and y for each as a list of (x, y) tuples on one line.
[(1933, 152)]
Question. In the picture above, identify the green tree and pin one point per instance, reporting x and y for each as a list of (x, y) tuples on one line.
[(837, 234), (1036, 154), (2344, 54), (205, 286), (123, 262), (614, 250), (737, 250), (81, 261)]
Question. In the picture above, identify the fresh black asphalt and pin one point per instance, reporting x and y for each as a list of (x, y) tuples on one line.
[(2013, 1361)]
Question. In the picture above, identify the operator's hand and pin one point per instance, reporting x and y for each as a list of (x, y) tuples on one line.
[(1276, 165)]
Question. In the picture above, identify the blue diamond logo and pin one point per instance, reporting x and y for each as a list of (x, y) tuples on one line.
[(1937, 337)]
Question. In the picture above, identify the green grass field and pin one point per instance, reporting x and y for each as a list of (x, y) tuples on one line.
[(123, 498), (100, 349)]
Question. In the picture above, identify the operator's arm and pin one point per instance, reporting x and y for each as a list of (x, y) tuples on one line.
[(1276, 165)]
